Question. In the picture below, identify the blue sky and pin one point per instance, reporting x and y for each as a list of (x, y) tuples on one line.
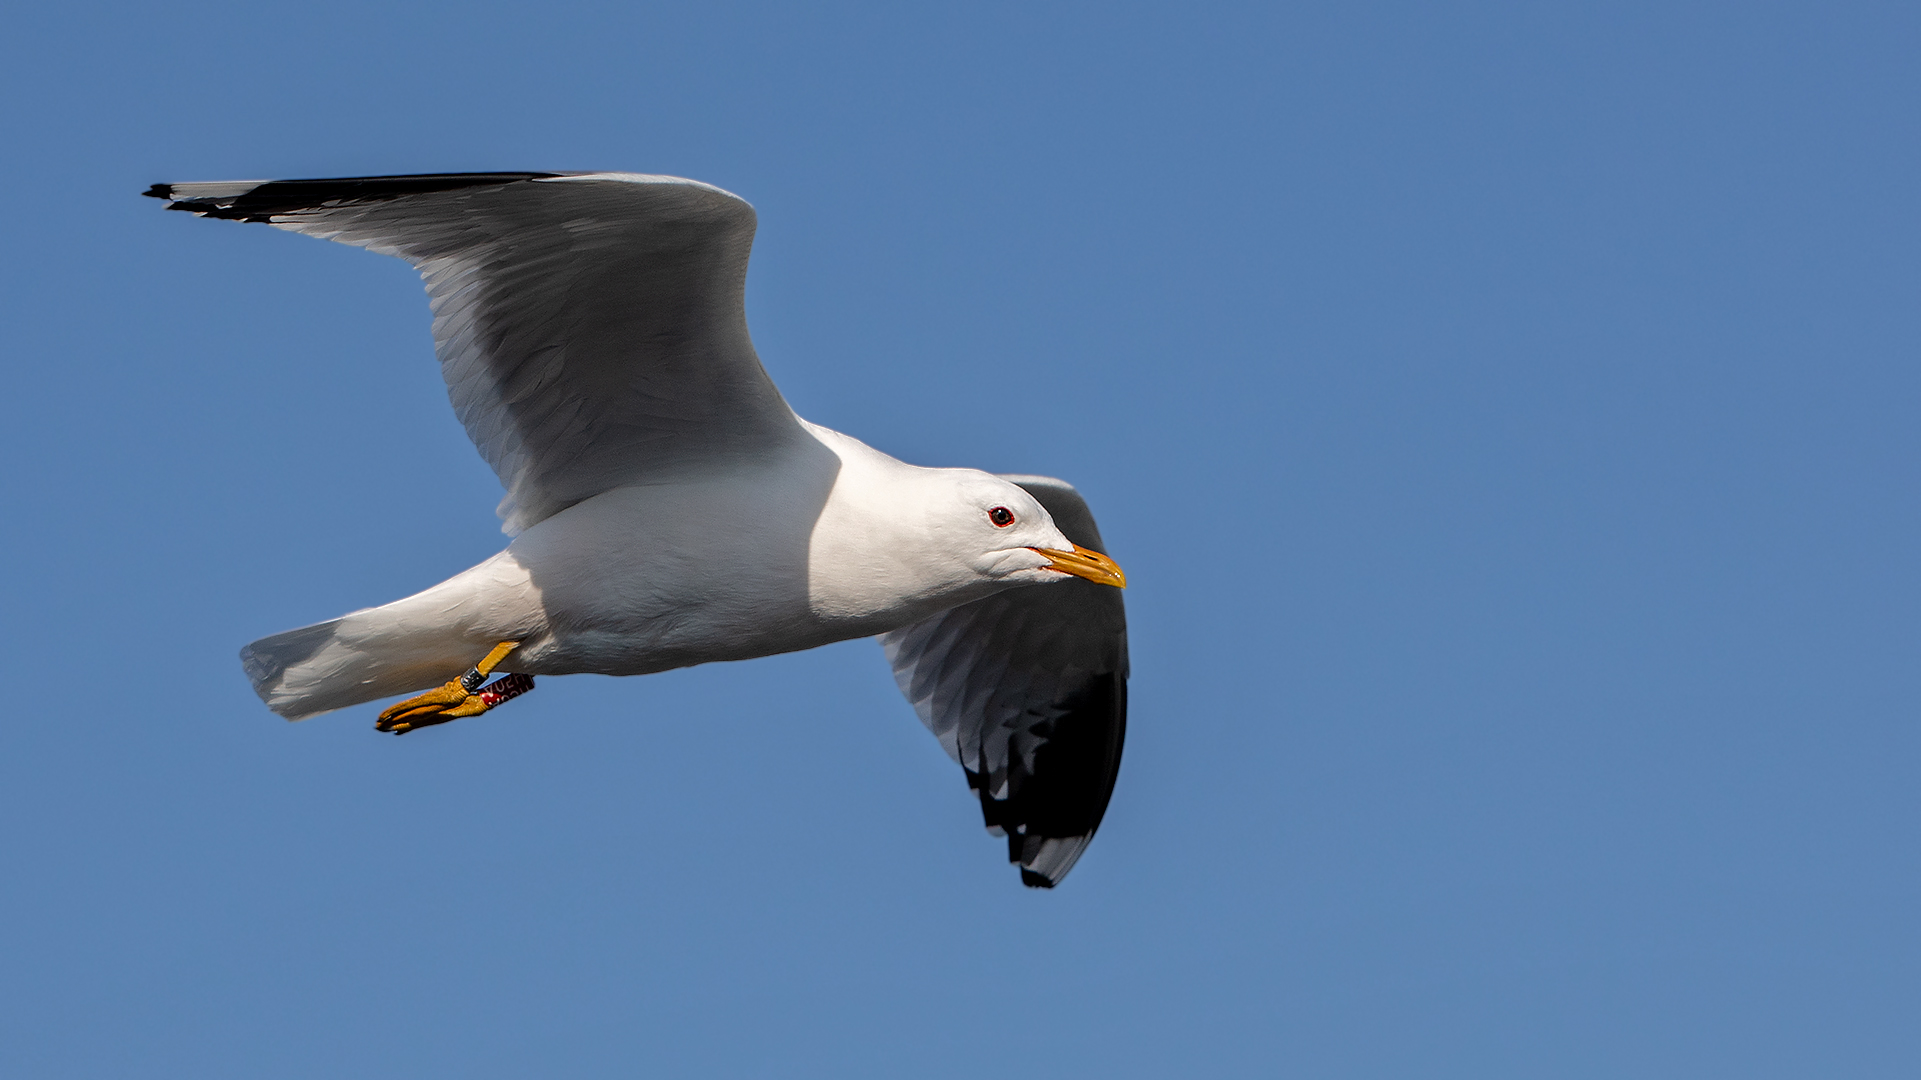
[(1505, 415)]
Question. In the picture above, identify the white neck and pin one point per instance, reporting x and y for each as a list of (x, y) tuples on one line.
[(876, 555)]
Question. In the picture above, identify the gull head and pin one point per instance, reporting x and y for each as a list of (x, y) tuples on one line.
[(897, 542), (1010, 536)]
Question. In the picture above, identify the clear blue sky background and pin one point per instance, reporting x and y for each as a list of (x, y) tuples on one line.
[(1505, 413)]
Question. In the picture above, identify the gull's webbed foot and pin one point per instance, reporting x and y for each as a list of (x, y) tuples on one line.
[(460, 697)]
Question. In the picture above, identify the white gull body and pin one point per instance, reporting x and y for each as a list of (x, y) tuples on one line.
[(669, 509), (826, 542)]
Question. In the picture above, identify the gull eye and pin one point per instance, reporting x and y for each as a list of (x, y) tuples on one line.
[(1001, 516)]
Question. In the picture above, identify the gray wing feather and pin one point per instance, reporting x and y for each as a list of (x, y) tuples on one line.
[(1027, 691), (590, 327)]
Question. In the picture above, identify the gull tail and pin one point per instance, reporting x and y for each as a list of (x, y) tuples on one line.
[(351, 660)]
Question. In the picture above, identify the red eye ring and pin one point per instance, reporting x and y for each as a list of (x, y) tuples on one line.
[(1001, 516)]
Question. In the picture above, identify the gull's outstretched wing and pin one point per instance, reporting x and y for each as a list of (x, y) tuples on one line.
[(1027, 690), (589, 326)]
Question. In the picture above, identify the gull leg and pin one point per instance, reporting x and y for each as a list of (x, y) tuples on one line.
[(460, 697)]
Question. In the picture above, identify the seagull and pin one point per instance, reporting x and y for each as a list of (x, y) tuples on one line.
[(668, 508)]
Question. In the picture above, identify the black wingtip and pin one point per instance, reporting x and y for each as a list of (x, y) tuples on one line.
[(1035, 881), (267, 199)]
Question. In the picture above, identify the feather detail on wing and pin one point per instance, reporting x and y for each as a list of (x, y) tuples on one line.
[(1027, 691), (590, 326)]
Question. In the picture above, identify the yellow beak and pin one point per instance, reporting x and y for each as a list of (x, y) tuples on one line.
[(1083, 563)]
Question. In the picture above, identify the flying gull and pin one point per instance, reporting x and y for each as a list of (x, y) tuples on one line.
[(668, 508)]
